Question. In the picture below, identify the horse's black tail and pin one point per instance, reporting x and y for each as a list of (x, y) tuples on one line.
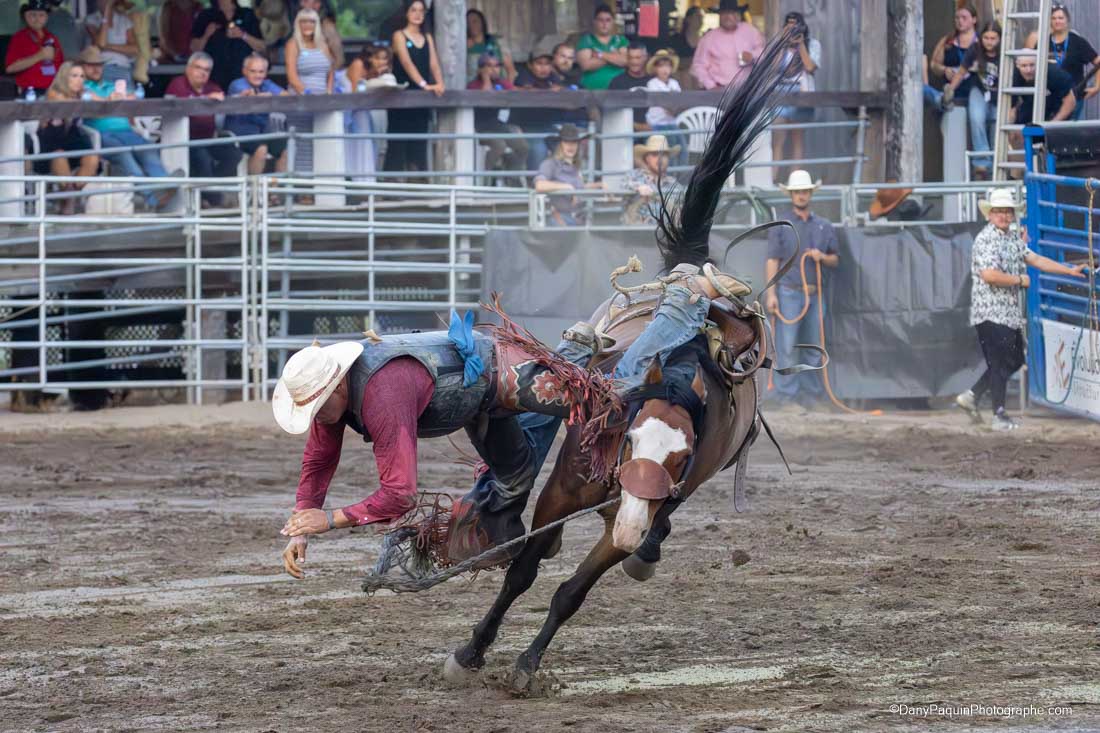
[(745, 111)]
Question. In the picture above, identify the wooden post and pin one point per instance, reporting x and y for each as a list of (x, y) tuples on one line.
[(11, 146), (873, 61), (450, 41), (905, 112)]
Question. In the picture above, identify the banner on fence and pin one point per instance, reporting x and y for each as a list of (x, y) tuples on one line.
[(1072, 367)]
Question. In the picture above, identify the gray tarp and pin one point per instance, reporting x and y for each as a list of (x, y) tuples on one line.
[(896, 308)]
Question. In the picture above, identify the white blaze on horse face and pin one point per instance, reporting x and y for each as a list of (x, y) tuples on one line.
[(654, 440)]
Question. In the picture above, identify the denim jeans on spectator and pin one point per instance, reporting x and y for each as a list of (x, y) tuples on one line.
[(983, 119), (806, 386), (933, 96), (675, 137), (134, 164)]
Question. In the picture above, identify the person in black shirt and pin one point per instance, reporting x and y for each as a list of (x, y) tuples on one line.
[(1060, 98), (1071, 52), (228, 33), (565, 65), (538, 74), (634, 76), (982, 64)]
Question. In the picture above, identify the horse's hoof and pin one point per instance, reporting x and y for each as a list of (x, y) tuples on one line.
[(457, 675), (639, 570), (520, 680)]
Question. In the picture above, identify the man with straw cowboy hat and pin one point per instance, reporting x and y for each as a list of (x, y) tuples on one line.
[(999, 262), (818, 241), (650, 165)]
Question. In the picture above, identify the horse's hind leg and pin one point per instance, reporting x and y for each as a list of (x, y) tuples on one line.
[(568, 598)]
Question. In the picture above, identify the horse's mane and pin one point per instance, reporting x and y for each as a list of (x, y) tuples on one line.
[(745, 111), (677, 373)]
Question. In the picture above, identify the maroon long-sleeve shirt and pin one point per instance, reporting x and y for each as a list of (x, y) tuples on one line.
[(393, 399)]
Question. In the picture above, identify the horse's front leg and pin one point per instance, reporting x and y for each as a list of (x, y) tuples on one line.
[(568, 598)]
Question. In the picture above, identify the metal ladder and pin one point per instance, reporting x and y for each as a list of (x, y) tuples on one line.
[(1006, 158)]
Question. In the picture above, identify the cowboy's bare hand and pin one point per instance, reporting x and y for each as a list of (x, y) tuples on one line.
[(294, 556), (307, 521), (771, 302), (1079, 270), (816, 254)]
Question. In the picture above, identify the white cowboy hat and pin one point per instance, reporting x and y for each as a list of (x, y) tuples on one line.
[(308, 379), (800, 180), (653, 144), (1000, 198)]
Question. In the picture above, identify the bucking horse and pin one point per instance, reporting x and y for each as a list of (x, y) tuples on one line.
[(681, 422)]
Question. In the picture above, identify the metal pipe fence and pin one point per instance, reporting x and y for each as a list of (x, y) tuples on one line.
[(99, 302)]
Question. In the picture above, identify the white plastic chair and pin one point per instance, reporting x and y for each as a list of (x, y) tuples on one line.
[(698, 118)]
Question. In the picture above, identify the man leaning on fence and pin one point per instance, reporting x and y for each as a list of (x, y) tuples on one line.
[(116, 132), (796, 296), (254, 83)]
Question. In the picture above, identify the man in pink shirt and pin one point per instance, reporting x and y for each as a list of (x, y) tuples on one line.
[(727, 53)]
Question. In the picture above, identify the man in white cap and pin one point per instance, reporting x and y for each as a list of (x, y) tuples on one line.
[(999, 262), (817, 237)]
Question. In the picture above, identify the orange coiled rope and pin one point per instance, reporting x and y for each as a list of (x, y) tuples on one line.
[(821, 330)]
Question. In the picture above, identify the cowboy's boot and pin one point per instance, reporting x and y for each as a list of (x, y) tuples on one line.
[(473, 530)]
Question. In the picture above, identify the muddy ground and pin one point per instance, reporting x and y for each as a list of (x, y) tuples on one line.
[(911, 560)]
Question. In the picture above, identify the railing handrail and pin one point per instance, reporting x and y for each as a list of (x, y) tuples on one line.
[(411, 99)]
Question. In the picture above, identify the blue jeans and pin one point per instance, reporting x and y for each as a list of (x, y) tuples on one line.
[(676, 322), (807, 385), (135, 164), (933, 96), (983, 118)]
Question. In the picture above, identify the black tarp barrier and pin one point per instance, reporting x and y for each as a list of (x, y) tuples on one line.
[(896, 310)]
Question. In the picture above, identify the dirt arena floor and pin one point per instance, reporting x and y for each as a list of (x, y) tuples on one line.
[(911, 560)]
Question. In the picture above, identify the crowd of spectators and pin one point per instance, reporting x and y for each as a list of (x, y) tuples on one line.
[(965, 69), (228, 49)]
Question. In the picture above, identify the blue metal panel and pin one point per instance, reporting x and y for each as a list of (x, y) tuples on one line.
[(1051, 236)]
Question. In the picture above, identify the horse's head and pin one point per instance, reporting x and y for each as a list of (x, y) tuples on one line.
[(656, 455)]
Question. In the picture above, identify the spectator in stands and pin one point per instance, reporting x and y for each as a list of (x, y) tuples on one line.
[(808, 51), (1060, 99), (207, 161), (112, 31), (650, 165), (418, 66), (634, 76), (564, 58), (373, 68), (329, 32), (34, 54), (818, 240), (227, 33), (310, 69), (62, 136), (561, 173), (663, 66), (947, 56), (275, 27), (999, 260), (1072, 52), (686, 40), (116, 132), (932, 96), (537, 74), (982, 62), (65, 29), (601, 54), (512, 152), (726, 54), (480, 41), (254, 83), (174, 24)]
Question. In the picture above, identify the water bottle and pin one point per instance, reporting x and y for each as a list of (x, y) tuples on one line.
[(139, 92), (361, 86), (86, 96), (31, 95)]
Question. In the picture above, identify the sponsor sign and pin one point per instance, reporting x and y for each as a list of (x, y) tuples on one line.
[(1081, 380)]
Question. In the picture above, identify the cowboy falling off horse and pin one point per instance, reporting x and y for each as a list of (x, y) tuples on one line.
[(657, 388)]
